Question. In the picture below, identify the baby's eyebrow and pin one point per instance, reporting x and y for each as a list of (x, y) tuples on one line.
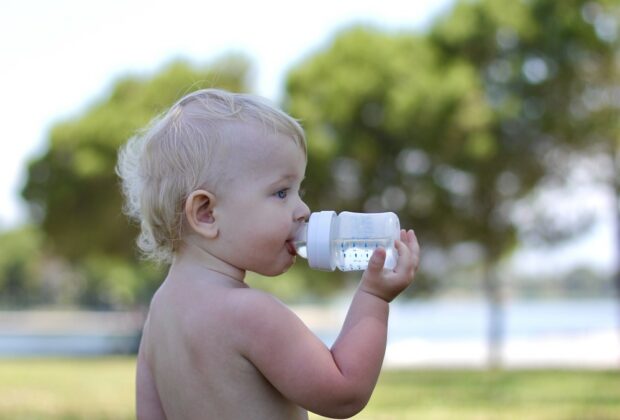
[(287, 178)]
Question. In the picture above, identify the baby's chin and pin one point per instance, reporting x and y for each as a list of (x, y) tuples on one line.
[(277, 269)]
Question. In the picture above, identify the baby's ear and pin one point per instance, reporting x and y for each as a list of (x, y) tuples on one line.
[(199, 213)]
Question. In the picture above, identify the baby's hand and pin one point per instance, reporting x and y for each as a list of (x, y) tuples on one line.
[(387, 284)]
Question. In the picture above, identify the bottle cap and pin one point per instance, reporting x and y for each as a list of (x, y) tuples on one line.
[(319, 241)]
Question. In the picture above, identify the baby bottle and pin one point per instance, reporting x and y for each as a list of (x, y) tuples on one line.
[(347, 240)]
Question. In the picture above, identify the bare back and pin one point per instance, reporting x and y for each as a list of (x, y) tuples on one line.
[(190, 366)]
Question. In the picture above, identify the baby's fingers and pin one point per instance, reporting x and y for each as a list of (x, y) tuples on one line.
[(408, 253), (376, 262), (409, 238), (414, 247)]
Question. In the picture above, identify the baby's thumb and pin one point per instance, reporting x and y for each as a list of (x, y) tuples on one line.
[(377, 259)]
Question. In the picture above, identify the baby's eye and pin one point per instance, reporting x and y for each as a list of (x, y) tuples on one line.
[(282, 193)]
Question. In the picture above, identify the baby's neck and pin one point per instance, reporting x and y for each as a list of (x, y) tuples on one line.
[(194, 258)]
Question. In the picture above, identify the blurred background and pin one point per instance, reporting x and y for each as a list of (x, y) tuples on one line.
[(490, 127)]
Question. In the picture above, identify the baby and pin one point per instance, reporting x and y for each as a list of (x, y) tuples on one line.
[(214, 183)]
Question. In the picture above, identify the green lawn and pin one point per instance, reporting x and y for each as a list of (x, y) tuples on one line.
[(103, 388), (469, 395)]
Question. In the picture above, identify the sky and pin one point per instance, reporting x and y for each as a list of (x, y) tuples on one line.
[(60, 56)]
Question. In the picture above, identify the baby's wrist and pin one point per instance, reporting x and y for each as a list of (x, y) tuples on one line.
[(376, 294)]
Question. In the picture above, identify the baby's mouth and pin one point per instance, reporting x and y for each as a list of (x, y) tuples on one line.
[(290, 247)]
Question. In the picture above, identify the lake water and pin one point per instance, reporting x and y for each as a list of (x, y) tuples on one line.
[(37, 345), (68, 333), (523, 319), (545, 333)]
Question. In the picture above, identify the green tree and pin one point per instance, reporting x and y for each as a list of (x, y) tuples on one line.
[(73, 191), (20, 267), (374, 106), (452, 129), (549, 71)]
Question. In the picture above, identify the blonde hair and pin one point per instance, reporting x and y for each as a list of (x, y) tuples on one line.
[(174, 155)]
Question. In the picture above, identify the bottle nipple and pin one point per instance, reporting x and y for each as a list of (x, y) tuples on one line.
[(300, 241)]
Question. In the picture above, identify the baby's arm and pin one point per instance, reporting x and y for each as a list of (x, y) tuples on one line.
[(337, 382), (360, 347)]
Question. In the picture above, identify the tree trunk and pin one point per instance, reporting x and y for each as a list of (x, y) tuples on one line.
[(495, 319)]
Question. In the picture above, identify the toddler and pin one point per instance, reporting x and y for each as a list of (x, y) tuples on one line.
[(214, 183)]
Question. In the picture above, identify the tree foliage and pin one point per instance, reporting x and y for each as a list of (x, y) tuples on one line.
[(20, 274), (550, 74), (395, 126), (453, 127), (73, 190)]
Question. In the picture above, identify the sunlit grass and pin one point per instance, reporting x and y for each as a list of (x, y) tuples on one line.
[(103, 388), (482, 395)]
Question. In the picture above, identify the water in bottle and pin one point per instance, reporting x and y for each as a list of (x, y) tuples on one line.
[(347, 241)]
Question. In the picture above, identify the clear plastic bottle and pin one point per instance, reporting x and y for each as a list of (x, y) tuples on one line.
[(347, 241)]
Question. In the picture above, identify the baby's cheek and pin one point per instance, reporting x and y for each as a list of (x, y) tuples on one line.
[(279, 234)]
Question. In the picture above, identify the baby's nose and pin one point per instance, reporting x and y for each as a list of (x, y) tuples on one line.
[(303, 212)]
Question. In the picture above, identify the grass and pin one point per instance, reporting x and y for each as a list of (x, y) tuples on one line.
[(103, 388), (478, 395)]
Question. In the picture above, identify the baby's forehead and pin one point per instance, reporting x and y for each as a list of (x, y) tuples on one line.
[(253, 148), (256, 139)]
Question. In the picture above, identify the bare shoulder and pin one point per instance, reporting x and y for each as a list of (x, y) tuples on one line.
[(266, 327), (253, 299), (261, 322), (255, 310)]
